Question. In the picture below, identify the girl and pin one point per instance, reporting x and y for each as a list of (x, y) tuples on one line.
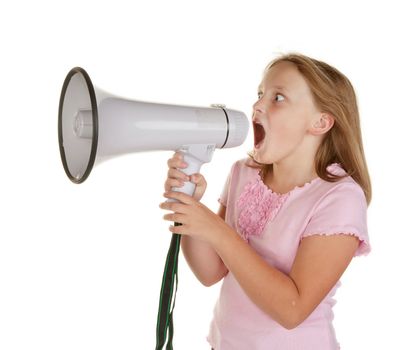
[(292, 216)]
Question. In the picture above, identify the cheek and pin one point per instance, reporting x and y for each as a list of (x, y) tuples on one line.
[(287, 133)]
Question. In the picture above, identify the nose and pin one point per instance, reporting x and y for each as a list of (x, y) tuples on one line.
[(259, 106)]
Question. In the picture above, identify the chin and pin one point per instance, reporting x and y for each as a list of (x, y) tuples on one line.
[(259, 158)]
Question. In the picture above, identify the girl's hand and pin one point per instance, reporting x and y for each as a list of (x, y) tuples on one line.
[(176, 178), (197, 220)]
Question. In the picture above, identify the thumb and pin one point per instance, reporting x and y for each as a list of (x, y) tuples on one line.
[(196, 178), (200, 185)]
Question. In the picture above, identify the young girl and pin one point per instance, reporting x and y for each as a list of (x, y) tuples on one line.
[(291, 217)]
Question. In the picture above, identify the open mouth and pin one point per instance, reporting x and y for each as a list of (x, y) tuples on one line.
[(259, 134)]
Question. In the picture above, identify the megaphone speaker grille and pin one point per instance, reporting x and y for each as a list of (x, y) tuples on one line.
[(78, 125)]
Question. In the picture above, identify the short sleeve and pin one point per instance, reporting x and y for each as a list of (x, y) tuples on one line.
[(225, 192), (343, 210)]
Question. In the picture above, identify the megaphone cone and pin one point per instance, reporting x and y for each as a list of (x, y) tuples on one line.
[(94, 125), (77, 153)]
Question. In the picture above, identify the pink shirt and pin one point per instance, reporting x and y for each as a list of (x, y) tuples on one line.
[(273, 225)]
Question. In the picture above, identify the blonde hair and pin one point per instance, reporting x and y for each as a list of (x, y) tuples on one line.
[(334, 94)]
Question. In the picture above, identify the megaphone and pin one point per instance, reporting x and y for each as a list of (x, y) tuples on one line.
[(94, 125)]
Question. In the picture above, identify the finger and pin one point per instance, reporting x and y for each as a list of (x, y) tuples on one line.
[(179, 229), (182, 197), (175, 217), (177, 174), (173, 206), (178, 155), (177, 162), (198, 179), (169, 183)]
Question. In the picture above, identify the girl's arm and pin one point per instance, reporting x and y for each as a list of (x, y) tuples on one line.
[(203, 259), (288, 299)]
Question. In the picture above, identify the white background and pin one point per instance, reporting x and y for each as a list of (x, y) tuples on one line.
[(81, 265)]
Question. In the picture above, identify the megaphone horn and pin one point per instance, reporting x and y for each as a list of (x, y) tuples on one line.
[(94, 125)]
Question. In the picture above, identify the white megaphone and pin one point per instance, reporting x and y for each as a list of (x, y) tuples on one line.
[(94, 125)]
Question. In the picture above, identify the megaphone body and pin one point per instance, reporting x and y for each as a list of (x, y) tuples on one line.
[(94, 125)]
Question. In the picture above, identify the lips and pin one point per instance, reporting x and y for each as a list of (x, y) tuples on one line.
[(259, 133)]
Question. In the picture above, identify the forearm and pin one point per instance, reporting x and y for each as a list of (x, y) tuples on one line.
[(270, 289), (288, 299), (203, 260)]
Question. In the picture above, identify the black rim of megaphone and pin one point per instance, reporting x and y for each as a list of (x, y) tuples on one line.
[(93, 101)]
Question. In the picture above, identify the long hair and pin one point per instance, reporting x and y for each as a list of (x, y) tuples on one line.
[(334, 94)]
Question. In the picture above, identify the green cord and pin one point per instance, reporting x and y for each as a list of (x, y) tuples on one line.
[(169, 279)]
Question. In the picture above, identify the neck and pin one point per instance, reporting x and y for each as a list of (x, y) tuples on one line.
[(282, 177), (296, 169)]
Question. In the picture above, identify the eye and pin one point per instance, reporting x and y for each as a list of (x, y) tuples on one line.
[(259, 95), (279, 98)]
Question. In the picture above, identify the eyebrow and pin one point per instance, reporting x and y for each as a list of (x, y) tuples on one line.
[(277, 87)]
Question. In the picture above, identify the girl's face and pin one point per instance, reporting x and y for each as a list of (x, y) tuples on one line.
[(283, 116)]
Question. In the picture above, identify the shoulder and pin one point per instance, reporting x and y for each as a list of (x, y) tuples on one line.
[(244, 167), (343, 197), (242, 173), (342, 187), (246, 162), (343, 200), (345, 190)]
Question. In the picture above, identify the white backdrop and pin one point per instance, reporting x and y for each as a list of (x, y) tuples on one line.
[(81, 265)]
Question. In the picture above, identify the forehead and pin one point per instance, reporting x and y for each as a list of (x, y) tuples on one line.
[(285, 75)]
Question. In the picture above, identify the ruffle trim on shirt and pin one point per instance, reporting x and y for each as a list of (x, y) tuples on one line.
[(257, 205), (364, 247)]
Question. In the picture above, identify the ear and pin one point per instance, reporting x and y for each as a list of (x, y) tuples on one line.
[(322, 124)]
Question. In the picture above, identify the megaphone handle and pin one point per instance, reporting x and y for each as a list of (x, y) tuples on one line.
[(193, 167), (195, 156)]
